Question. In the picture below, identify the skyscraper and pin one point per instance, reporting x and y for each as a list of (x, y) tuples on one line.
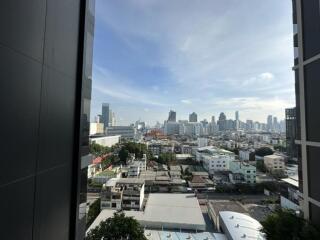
[(269, 123), (106, 114), (172, 116), (46, 61), (237, 115), (213, 120), (306, 21), (193, 117), (222, 122)]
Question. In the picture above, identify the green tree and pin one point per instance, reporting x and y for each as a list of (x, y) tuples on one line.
[(264, 151), (286, 225), (260, 166), (93, 212), (123, 155), (98, 150), (116, 228)]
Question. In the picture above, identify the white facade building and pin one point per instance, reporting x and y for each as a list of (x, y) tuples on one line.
[(106, 141), (202, 142), (96, 128), (214, 159), (274, 163)]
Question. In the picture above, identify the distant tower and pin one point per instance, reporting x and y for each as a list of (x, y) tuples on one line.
[(105, 114), (193, 117), (213, 119), (222, 122), (237, 115), (269, 123), (172, 116)]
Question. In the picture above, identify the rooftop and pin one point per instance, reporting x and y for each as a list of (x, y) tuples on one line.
[(170, 211), (130, 181), (226, 205), (165, 235), (241, 226)]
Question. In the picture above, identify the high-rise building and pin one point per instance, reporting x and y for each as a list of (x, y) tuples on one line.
[(172, 116), (213, 120), (46, 61), (269, 123), (106, 114), (193, 117), (291, 133), (237, 115), (222, 122), (306, 21), (275, 124)]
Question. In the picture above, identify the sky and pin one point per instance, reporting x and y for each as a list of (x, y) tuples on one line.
[(203, 56)]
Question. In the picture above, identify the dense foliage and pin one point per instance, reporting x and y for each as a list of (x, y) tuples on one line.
[(93, 212), (116, 228), (98, 150), (264, 151), (286, 225)]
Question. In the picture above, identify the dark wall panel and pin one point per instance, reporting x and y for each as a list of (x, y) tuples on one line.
[(311, 27), (313, 172), (314, 214), (312, 100), (57, 119), (22, 25), (61, 39), (52, 204), (16, 208), (20, 104)]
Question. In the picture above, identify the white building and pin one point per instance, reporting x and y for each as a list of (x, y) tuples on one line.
[(246, 170), (164, 211), (106, 141), (214, 159), (202, 142), (246, 154), (96, 128), (274, 163)]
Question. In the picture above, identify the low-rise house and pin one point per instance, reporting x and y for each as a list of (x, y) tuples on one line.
[(274, 163), (123, 193), (247, 154), (248, 171)]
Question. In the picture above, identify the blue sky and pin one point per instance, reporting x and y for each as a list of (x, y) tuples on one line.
[(205, 56)]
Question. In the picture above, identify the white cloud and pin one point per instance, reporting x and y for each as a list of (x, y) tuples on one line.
[(266, 76), (186, 101)]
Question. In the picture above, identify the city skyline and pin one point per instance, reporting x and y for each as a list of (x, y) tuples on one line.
[(172, 115), (191, 63)]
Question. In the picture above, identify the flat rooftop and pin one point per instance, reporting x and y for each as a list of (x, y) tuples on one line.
[(168, 211), (165, 235), (130, 181), (226, 205)]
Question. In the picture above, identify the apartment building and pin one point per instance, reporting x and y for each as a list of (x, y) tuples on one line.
[(247, 171), (123, 194), (274, 163), (214, 159)]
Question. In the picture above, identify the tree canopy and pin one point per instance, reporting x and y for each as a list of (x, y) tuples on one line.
[(98, 150), (93, 212), (116, 228), (286, 225), (264, 151)]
